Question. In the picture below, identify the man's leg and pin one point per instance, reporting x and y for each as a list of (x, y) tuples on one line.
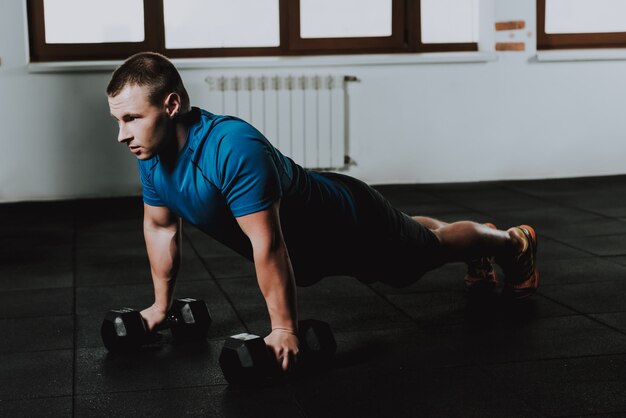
[(435, 241), (466, 240), (476, 243), (430, 223), (480, 276)]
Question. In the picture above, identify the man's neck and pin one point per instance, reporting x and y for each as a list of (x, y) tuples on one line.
[(170, 153), (181, 135), (184, 119)]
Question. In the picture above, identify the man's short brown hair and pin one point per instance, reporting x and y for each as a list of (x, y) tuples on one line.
[(151, 70)]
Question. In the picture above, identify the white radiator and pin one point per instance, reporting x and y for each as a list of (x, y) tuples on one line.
[(303, 116)]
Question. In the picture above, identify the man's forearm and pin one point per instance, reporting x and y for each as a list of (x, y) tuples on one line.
[(164, 251), (277, 283)]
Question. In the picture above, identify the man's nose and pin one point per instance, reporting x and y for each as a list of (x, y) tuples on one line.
[(123, 136)]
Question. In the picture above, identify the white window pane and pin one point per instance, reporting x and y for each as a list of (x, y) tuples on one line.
[(585, 16), (449, 21), (93, 21), (221, 24), (345, 18)]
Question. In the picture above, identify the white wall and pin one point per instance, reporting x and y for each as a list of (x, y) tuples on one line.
[(513, 118)]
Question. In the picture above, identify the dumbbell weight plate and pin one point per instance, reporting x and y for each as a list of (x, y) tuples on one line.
[(245, 359), (317, 343), (123, 330), (189, 319)]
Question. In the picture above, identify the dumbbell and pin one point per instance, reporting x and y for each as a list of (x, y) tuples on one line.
[(125, 329), (246, 360)]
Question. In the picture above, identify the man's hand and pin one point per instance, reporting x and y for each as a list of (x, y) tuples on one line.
[(154, 315), (284, 344)]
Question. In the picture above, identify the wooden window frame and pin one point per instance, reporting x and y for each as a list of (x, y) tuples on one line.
[(228, 52), (41, 51), (413, 13), (393, 43), (546, 41), (405, 38)]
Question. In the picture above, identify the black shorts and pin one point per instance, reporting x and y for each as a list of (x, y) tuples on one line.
[(386, 245)]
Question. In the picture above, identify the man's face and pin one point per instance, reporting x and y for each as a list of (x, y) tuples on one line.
[(143, 126)]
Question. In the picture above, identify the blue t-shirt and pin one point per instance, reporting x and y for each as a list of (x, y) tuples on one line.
[(228, 169)]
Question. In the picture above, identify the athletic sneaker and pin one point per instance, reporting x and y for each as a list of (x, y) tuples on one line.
[(480, 276), (521, 278)]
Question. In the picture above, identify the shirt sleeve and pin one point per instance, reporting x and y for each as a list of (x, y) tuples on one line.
[(249, 179), (150, 195)]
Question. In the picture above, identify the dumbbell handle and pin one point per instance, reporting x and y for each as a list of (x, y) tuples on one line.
[(163, 325), (126, 328), (169, 320)]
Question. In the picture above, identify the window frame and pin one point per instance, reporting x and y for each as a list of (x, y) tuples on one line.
[(393, 43), (42, 51), (405, 38), (226, 52), (414, 13), (587, 40)]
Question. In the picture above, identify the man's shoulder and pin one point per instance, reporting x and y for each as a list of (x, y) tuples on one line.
[(216, 133), (212, 128), (233, 127)]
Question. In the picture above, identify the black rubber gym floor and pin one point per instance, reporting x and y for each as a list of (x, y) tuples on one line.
[(426, 350)]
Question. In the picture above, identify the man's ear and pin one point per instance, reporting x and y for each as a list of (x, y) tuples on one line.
[(172, 104)]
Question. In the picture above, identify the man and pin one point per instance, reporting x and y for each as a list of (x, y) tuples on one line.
[(297, 226)]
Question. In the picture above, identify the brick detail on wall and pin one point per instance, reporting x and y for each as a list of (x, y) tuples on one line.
[(513, 25), (510, 46)]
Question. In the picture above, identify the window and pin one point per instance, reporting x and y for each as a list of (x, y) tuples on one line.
[(187, 25), (324, 25), (581, 24), (448, 24), (449, 21), (114, 29), (375, 19)]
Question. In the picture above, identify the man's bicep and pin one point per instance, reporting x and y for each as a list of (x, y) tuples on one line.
[(262, 227), (159, 216)]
